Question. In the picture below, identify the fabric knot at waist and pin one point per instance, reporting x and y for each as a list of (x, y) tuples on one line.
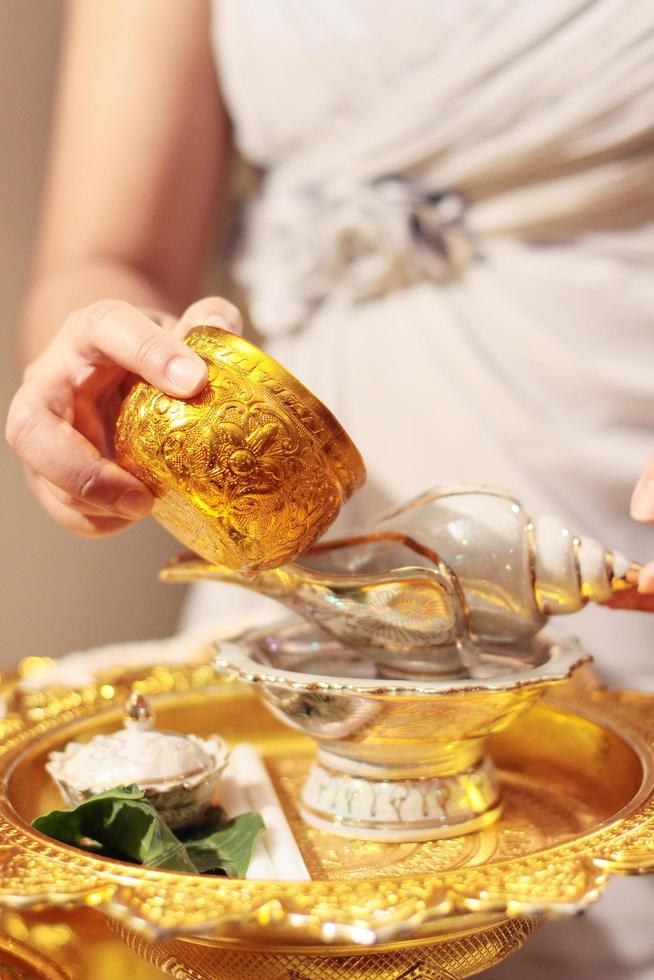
[(348, 242)]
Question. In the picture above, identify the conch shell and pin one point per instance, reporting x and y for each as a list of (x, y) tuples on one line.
[(455, 568)]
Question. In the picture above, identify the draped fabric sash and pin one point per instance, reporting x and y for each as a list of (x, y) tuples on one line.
[(537, 122)]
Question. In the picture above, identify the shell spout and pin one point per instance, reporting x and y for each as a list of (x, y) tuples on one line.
[(189, 567), (274, 582)]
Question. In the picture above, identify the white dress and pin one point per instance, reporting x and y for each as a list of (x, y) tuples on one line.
[(454, 248)]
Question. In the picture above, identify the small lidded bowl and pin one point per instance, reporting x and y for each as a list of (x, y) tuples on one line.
[(179, 774), (249, 472)]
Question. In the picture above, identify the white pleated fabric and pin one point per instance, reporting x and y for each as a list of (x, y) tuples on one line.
[(453, 247), (539, 114)]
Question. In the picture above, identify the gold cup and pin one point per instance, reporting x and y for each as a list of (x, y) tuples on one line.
[(249, 472)]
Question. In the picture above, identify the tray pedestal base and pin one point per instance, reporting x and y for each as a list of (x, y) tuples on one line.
[(453, 957)]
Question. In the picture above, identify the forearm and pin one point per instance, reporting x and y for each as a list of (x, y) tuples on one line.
[(139, 148), (57, 293)]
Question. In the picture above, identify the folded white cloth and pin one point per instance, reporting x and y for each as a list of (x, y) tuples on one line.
[(246, 785)]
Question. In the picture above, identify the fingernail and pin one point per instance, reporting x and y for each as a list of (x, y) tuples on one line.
[(134, 504), (642, 501), (187, 373)]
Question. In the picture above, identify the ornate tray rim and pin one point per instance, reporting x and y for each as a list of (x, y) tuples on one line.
[(562, 880)]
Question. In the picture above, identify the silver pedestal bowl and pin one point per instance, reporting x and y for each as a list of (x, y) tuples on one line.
[(398, 760)]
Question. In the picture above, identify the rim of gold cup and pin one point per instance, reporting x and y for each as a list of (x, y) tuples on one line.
[(249, 472)]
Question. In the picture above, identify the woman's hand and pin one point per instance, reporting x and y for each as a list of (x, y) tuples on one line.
[(62, 418), (642, 509)]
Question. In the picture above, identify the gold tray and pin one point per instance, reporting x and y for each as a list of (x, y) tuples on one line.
[(20, 962), (578, 779)]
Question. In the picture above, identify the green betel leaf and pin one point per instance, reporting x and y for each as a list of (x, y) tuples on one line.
[(227, 848), (124, 824), (66, 825)]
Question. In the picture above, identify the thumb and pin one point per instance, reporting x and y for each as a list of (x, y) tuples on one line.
[(213, 311)]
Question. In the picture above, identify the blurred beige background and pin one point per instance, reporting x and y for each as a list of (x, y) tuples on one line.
[(58, 592)]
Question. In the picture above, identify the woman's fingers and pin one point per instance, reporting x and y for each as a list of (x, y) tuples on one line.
[(70, 517), (646, 579), (642, 509), (41, 487), (167, 321), (52, 448), (114, 333), (213, 311), (642, 501), (60, 420), (641, 598)]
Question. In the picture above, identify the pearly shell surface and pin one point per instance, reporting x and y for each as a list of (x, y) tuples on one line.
[(427, 588), (178, 773)]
